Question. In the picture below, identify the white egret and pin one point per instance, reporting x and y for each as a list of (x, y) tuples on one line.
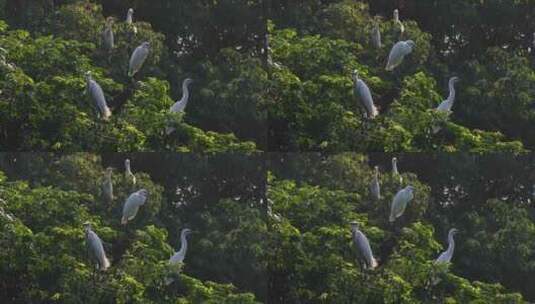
[(180, 105), (362, 91), (447, 104), (398, 52), (400, 201), (376, 36), (375, 188), (398, 22), (138, 57), (96, 93), (395, 171), (94, 244), (107, 35), (445, 257), (107, 186), (132, 204), (130, 19), (363, 247), (128, 172), (180, 255)]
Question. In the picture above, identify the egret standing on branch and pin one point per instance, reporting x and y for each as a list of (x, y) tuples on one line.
[(375, 188), (363, 247), (180, 255), (94, 244), (107, 186), (398, 22), (362, 92), (376, 36), (395, 172), (400, 201), (446, 105), (138, 57), (107, 35), (132, 204), (445, 257), (96, 93), (180, 105), (128, 172), (398, 52), (129, 19)]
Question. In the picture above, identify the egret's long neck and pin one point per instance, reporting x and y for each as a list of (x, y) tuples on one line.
[(127, 165), (185, 91), (451, 96), (395, 167), (451, 243), (183, 244)]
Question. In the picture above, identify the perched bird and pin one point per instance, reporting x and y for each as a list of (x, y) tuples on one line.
[(180, 255), (107, 186), (398, 22), (398, 52), (400, 201), (107, 35), (376, 36), (375, 188), (128, 172), (96, 93), (138, 57), (94, 244), (395, 171), (132, 204), (362, 91), (130, 19), (363, 247), (445, 257), (446, 105), (180, 105)]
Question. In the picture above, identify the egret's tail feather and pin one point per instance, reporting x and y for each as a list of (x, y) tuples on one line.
[(105, 265), (374, 263)]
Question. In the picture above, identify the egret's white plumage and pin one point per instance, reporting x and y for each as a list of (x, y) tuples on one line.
[(362, 91), (130, 20), (128, 172), (398, 52), (107, 186), (138, 57), (375, 188), (97, 95), (180, 255), (398, 22), (129, 16), (107, 35), (96, 248), (445, 257), (363, 247), (400, 201), (395, 171), (376, 36), (132, 204), (447, 104), (180, 105)]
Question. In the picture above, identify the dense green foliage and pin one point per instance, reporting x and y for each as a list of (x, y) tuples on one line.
[(44, 257), (315, 197), (44, 106), (316, 45)]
